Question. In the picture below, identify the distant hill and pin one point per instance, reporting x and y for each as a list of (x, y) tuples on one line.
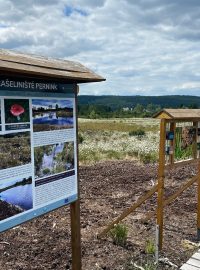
[(131, 106), (117, 102)]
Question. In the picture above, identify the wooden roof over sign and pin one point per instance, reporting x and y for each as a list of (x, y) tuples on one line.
[(32, 65), (178, 114)]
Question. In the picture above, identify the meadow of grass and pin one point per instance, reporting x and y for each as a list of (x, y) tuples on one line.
[(112, 139)]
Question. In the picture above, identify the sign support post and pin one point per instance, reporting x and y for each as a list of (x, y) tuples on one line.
[(75, 235), (75, 211)]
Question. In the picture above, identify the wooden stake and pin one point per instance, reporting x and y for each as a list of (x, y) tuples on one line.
[(75, 235), (140, 201), (173, 197), (198, 203), (75, 212), (161, 172)]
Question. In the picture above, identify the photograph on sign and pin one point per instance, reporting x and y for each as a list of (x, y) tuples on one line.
[(15, 149), (0, 115), (53, 159), (37, 157), (184, 142), (52, 114), (16, 197), (17, 114)]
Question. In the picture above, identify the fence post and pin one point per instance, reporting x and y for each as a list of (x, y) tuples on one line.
[(198, 188), (161, 172)]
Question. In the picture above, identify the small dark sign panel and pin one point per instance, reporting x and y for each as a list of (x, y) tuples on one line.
[(38, 162), (29, 85), (170, 135)]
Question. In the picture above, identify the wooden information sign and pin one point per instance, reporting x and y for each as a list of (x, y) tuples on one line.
[(38, 140)]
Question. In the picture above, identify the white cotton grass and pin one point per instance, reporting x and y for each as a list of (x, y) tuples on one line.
[(100, 145)]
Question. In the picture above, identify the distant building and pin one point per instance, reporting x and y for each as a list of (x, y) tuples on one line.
[(126, 109)]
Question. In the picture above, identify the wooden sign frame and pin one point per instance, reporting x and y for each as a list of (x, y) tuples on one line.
[(161, 201), (28, 73)]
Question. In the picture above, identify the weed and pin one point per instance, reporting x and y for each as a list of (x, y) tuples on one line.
[(150, 247), (138, 132), (148, 157), (119, 234), (145, 264), (150, 265)]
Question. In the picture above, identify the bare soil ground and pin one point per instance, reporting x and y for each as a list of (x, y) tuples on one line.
[(106, 190)]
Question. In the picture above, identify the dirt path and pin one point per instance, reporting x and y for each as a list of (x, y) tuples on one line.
[(106, 190)]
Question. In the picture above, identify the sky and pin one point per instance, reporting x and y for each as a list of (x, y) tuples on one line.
[(45, 103), (141, 47)]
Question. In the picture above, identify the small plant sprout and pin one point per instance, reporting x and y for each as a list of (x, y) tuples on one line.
[(150, 247), (119, 234)]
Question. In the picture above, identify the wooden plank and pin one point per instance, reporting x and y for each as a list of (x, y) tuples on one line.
[(178, 114), (140, 201), (173, 196), (194, 262), (75, 235), (198, 202), (27, 69), (181, 190), (161, 175), (189, 267), (164, 115), (196, 256), (47, 62), (180, 163)]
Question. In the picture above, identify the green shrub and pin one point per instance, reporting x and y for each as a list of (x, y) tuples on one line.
[(80, 138), (138, 132), (150, 266), (46, 171), (119, 234), (148, 157)]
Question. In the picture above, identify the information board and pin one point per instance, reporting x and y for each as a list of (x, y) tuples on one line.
[(184, 142), (38, 162)]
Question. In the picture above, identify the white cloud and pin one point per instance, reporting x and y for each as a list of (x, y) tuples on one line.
[(146, 47)]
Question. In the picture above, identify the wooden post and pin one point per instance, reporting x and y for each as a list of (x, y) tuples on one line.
[(161, 172), (128, 211), (195, 125), (75, 235), (172, 143), (198, 203), (75, 212), (198, 189)]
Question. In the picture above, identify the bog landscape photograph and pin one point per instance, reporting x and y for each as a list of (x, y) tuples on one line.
[(0, 116), (15, 197), (16, 111), (114, 90), (15, 150), (53, 159), (52, 114)]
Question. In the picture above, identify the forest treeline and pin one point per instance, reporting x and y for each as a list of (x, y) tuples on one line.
[(131, 106)]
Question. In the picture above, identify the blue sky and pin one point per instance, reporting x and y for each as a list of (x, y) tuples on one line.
[(61, 103), (142, 47)]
